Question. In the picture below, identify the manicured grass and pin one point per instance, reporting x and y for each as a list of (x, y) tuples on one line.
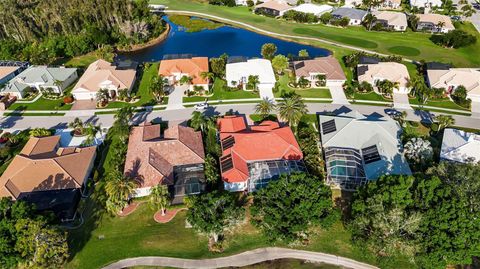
[(356, 36), (306, 93), (441, 103), (371, 96), (220, 93), (404, 51), (82, 61), (41, 104)]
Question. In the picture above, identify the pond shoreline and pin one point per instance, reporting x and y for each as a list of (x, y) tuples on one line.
[(138, 47)]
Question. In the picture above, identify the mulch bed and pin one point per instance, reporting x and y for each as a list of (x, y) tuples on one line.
[(129, 209), (169, 215)]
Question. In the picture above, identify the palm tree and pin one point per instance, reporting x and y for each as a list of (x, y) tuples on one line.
[(265, 107), (102, 96), (124, 115), (91, 131), (207, 75), (440, 25), (369, 20), (159, 198), (122, 94), (40, 132), (119, 188), (185, 80), (77, 126), (253, 81), (292, 108), (400, 118), (198, 121), (443, 121), (303, 82), (321, 80), (157, 87)]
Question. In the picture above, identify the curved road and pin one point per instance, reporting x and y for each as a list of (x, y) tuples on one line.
[(256, 29), (242, 259)]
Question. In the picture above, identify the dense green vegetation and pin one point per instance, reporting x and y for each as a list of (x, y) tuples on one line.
[(43, 31), (193, 24)]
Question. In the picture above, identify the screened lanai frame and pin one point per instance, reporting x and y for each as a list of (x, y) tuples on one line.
[(262, 172), (345, 167)]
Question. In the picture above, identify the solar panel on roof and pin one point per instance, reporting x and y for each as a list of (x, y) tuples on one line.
[(226, 163), (329, 127), (228, 142), (370, 154)]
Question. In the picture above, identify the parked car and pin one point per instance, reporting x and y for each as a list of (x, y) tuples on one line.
[(201, 106), (392, 112), (455, 18)]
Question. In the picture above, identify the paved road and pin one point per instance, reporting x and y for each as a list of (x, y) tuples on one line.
[(12, 123), (256, 29), (242, 259)]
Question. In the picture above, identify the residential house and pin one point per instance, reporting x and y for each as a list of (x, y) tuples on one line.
[(273, 8), (352, 3), (175, 158), (451, 78), (356, 16), (40, 78), (426, 3), (396, 21), (328, 67), (245, 2), (360, 148), (391, 71), (254, 155), (435, 23), (7, 71), (102, 75), (237, 74), (316, 10), (460, 146), (175, 69), (48, 175), (391, 4)]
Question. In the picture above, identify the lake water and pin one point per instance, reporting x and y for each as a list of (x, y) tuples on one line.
[(212, 43)]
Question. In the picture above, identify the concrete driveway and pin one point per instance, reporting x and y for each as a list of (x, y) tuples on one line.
[(400, 100), (476, 109), (175, 98), (338, 95)]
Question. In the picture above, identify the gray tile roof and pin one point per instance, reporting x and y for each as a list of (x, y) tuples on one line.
[(356, 131), (351, 13)]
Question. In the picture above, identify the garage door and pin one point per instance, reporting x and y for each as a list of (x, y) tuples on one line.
[(84, 96)]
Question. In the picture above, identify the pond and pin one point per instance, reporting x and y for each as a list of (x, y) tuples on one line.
[(213, 43)]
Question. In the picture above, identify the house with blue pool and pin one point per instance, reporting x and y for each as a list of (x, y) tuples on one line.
[(359, 148)]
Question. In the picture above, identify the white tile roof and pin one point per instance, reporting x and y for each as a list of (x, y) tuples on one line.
[(460, 146)]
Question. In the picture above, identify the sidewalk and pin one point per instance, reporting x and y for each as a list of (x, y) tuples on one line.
[(242, 259)]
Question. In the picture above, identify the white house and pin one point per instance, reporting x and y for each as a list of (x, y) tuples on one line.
[(451, 78), (460, 146), (393, 20), (41, 78), (316, 10), (237, 74), (426, 3), (103, 75), (391, 71)]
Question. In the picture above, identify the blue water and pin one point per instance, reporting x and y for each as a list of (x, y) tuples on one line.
[(213, 43)]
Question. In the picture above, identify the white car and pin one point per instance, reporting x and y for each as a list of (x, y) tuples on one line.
[(201, 106)]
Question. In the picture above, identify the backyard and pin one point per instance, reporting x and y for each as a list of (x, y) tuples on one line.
[(220, 92), (413, 45)]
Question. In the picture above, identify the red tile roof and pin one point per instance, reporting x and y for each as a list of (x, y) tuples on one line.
[(266, 141), (193, 67), (152, 158)]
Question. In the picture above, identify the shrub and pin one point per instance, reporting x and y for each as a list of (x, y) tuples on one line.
[(454, 39), (68, 99)]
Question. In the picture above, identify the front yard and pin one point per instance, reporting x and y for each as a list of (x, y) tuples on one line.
[(440, 103), (305, 93), (220, 92), (371, 96), (44, 104)]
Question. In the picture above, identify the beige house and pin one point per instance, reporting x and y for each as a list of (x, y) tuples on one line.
[(273, 8), (396, 21), (48, 175), (392, 71), (175, 69), (450, 79), (391, 4), (434, 23), (323, 66), (103, 75)]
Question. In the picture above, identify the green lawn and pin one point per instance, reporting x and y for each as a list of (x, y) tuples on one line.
[(220, 93), (44, 104), (441, 103), (371, 96), (306, 93), (82, 61), (407, 43), (194, 24)]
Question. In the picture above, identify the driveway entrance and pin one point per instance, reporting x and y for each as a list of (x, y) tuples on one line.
[(338, 95), (400, 100), (84, 105), (175, 98)]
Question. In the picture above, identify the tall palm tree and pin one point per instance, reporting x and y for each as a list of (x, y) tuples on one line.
[(119, 188), (265, 107), (77, 126), (253, 81), (440, 25), (198, 121), (102, 96), (291, 109), (369, 20), (91, 131), (157, 87), (443, 121), (159, 198), (207, 75), (185, 80)]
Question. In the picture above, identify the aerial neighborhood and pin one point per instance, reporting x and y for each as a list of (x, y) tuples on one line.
[(308, 129)]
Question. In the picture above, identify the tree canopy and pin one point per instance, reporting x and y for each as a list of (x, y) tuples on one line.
[(285, 209)]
